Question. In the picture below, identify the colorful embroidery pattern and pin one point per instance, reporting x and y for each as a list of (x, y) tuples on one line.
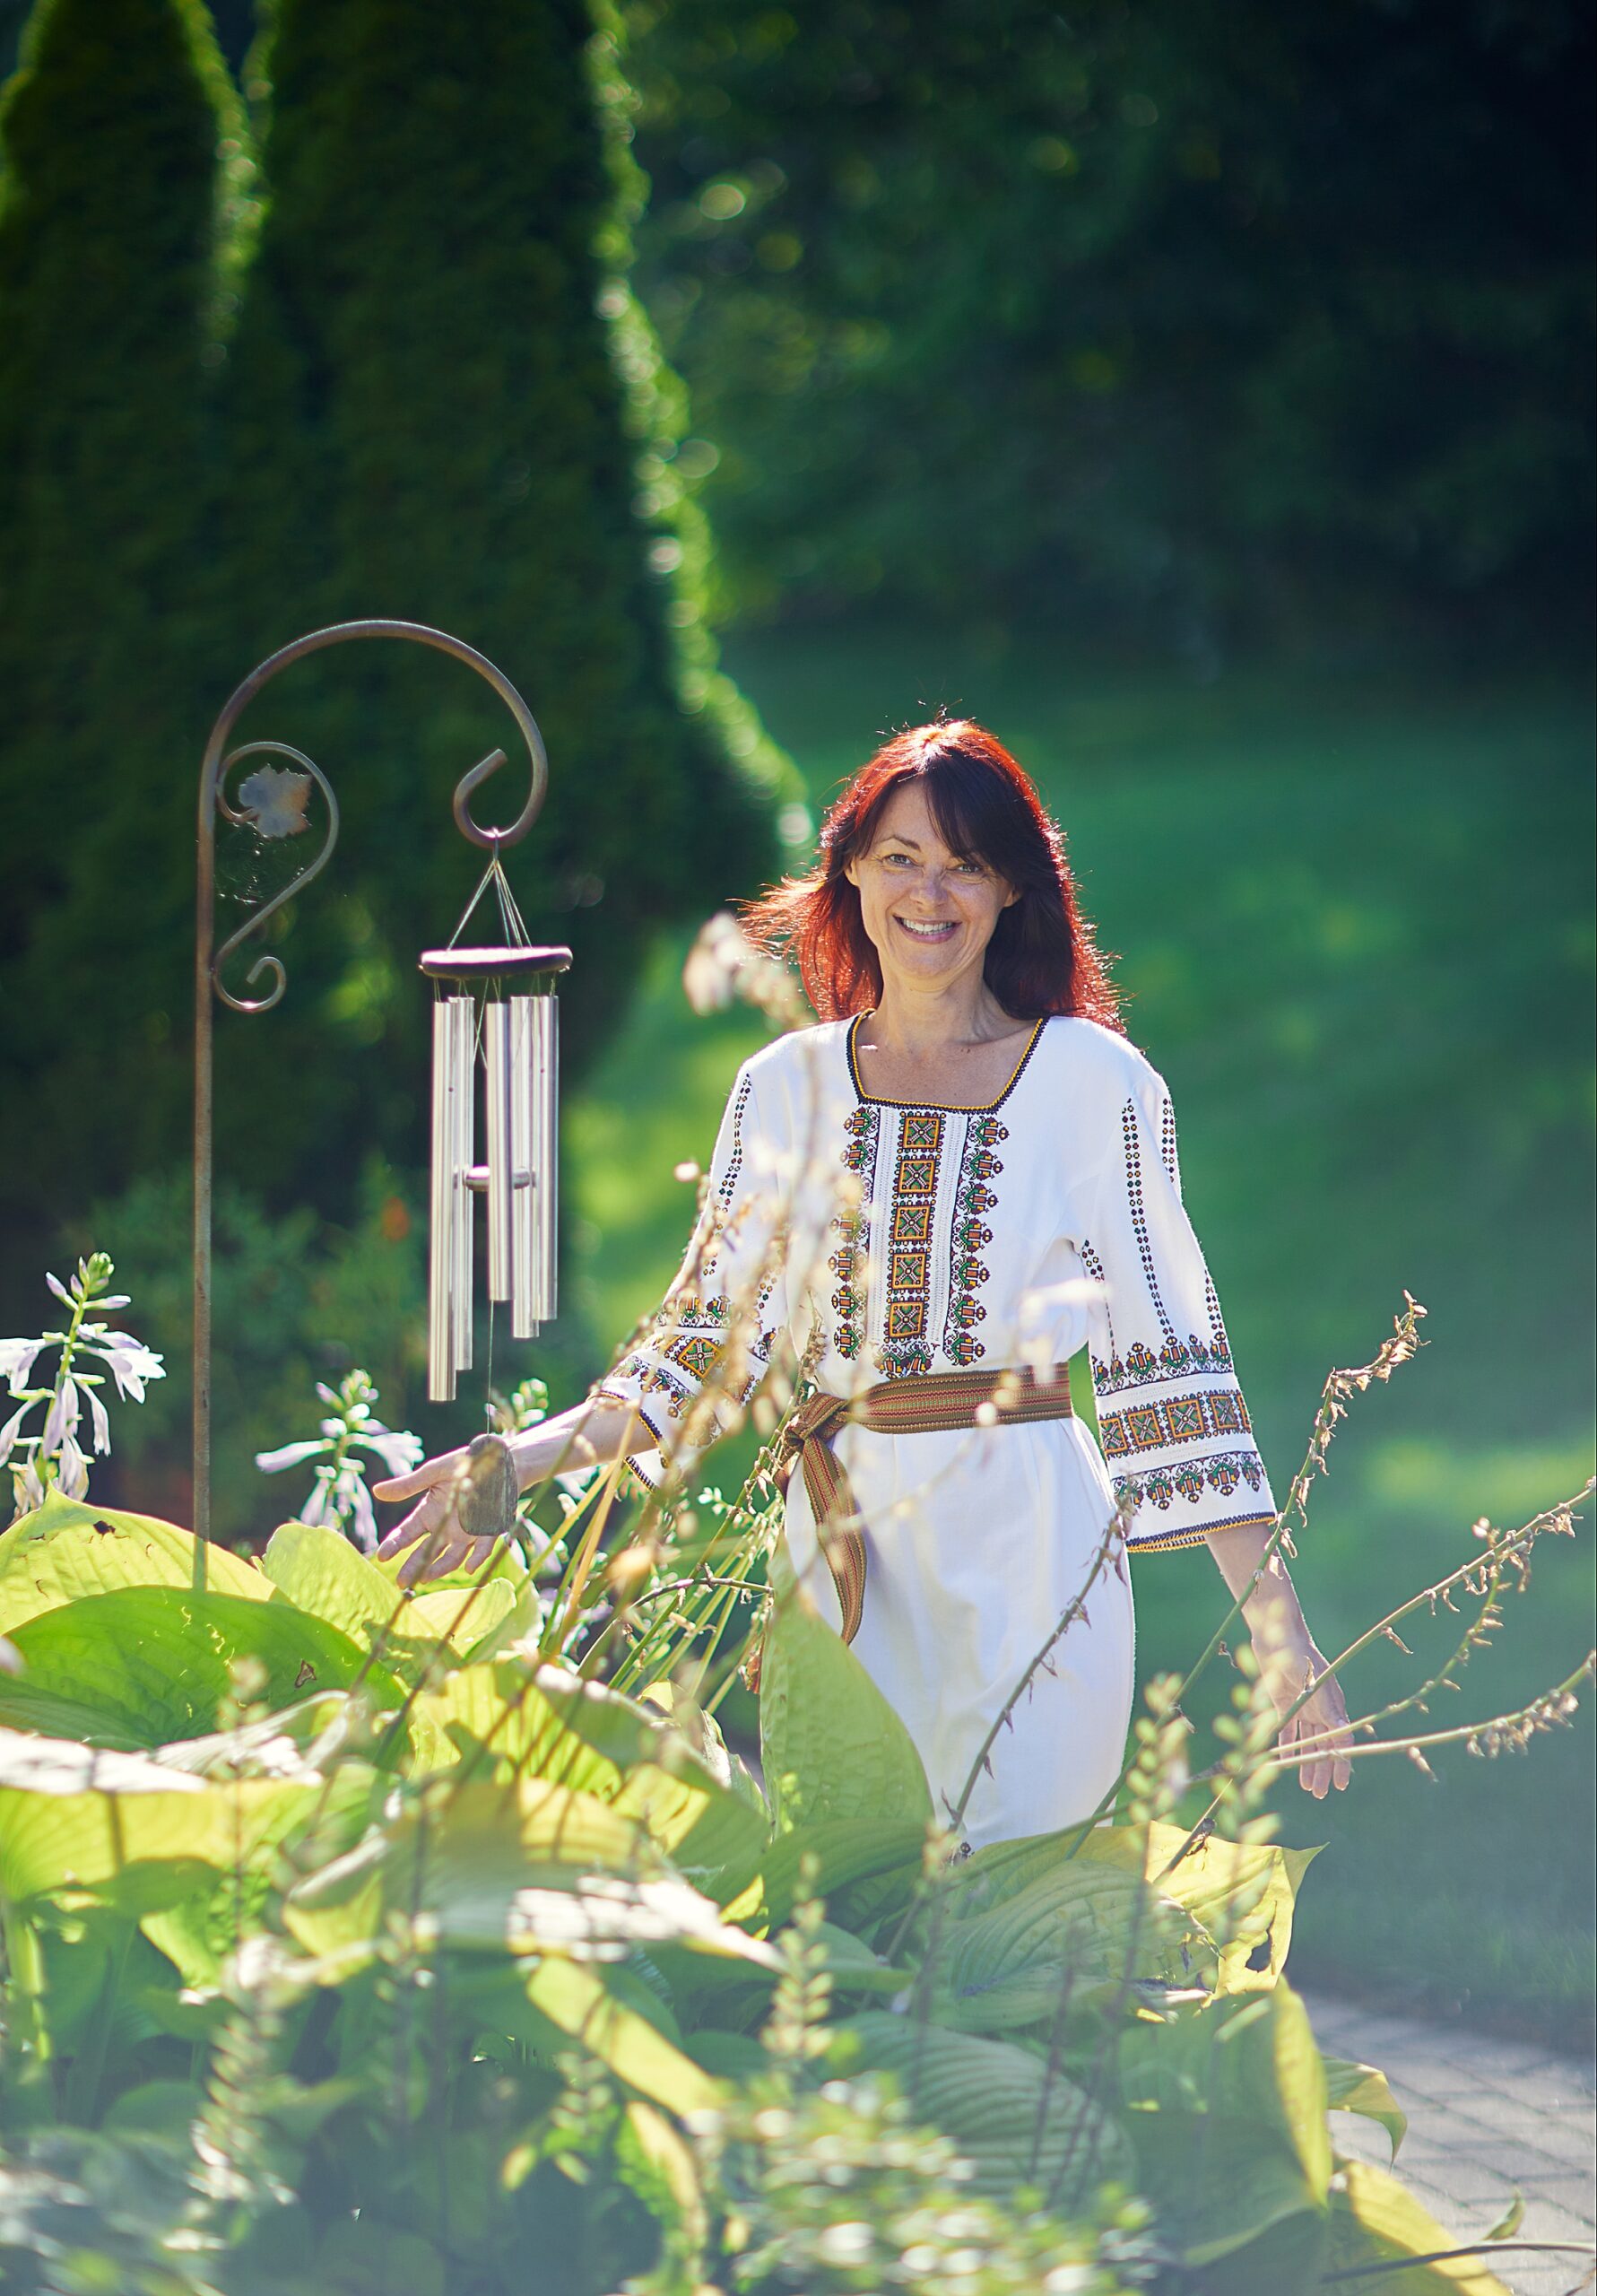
[(906, 1352), (1182, 1419), (1163, 1486), (653, 1378), (1133, 1189), (1176, 1359), (698, 1355), (848, 1263), (1166, 1142), (734, 1162), (969, 1238)]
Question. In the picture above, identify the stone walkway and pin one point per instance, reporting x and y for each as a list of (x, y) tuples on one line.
[(1484, 2117)]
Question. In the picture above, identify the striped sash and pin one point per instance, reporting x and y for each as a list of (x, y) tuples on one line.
[(935, 1403)]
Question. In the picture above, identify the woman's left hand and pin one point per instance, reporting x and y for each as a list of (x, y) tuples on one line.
[(1323, 1716)]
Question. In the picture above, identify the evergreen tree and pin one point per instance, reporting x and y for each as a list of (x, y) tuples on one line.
[(121, 142), (438, 401), (445, 406)]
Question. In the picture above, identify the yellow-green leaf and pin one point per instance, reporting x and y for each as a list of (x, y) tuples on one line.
[(69, 1549), (574, 1998), (1361, 2088), (1374, 2220)]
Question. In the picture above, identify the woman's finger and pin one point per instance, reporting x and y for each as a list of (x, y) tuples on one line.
[(407, 1530), (434, 1558), (426, 1477)]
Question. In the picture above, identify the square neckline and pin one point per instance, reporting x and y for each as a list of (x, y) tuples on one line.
[(946, 1107)]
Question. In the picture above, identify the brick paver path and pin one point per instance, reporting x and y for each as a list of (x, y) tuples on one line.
[(1484, 2117)]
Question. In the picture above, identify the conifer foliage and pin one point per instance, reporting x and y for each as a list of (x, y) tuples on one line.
[(440, 402), (121, 160)]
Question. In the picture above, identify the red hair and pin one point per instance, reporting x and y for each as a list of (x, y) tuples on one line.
[(1043, 956)]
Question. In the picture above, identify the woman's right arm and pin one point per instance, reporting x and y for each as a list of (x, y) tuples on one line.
[(592, 1433), (712, 1334)]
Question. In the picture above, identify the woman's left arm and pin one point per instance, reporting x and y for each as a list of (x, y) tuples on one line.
[(1175, 1432), (1288, 1658)]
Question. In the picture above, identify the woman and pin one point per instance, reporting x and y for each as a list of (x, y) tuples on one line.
[(1010, 1193)]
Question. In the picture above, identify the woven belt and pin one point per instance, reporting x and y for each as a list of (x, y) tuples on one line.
[(936, 1403)]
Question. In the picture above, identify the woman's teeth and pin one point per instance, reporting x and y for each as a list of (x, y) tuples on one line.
[(926, 932)]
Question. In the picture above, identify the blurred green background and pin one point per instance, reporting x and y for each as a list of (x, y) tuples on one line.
[(1199, 396)]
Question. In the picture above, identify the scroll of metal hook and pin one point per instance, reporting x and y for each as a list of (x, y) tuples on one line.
[(268, 963)]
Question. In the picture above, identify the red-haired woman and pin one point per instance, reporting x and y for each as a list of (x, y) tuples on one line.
[(922, 1207)]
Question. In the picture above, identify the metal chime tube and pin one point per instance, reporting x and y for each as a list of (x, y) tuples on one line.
[(464, 1068), (524, 1322), (498, 1153), (545, 1159), (519, 1173), (440, 1285)]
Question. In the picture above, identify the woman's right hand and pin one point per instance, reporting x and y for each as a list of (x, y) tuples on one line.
[(590, 1434), (433, 1527)]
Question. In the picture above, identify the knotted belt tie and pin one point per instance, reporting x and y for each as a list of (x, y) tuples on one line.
[(936, 1403)]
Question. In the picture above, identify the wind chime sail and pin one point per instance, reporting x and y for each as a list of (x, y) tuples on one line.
[(495, 1012)]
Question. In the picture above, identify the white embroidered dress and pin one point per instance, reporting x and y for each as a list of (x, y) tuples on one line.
[(980, 1237)]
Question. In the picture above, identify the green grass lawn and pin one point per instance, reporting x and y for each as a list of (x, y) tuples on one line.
[(1355, 922)]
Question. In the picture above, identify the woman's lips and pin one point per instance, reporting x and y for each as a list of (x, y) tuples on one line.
[(931, 932)]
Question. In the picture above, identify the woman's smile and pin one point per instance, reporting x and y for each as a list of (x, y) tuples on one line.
[(955, 899)]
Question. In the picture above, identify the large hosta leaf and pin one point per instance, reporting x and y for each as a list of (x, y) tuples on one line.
[(317, 1569), (141, 1848), (847, 1853), (1373, 2220), (1242, 1892), (1074, 1933), (830, 1745), (67, 1550), (1017, 2123), (507, 1720), (150, 1664), (62, 1766), (526, 1867), (1227, 2113)]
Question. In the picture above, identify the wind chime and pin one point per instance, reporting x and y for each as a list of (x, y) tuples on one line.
[(495, 1011)]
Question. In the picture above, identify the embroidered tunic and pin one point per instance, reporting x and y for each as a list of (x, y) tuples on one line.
[(884, 1240)]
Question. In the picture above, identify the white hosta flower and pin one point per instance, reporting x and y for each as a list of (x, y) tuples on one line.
[(17, 1359), (398, 1451), (364, 1514), (61, 1422), (316, 1508), (59, 1288), (130, 1362), (290, 1456), (12, 1429), (99, 1420), (71, 1469)]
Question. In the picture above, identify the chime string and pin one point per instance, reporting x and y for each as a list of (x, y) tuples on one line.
[(517, 938)]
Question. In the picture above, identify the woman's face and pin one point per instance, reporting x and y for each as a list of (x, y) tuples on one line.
[(929, 913)]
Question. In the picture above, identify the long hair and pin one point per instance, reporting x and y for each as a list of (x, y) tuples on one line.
[(1043, 956)]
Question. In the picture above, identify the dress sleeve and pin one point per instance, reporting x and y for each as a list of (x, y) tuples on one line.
[(1175, 1430), (708, 1347)]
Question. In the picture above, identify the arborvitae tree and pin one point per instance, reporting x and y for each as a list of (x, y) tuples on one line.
[(120, 144), (444, 404)]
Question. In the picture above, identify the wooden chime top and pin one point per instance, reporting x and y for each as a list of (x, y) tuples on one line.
[(488, 964)]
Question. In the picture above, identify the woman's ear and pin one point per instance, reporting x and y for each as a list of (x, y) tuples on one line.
[(1011, 897), (851, 870)]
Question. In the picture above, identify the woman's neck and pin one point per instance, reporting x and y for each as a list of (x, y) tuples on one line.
[(914, 1024)]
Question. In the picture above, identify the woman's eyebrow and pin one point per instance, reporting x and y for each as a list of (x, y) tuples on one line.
[(890, 837)]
